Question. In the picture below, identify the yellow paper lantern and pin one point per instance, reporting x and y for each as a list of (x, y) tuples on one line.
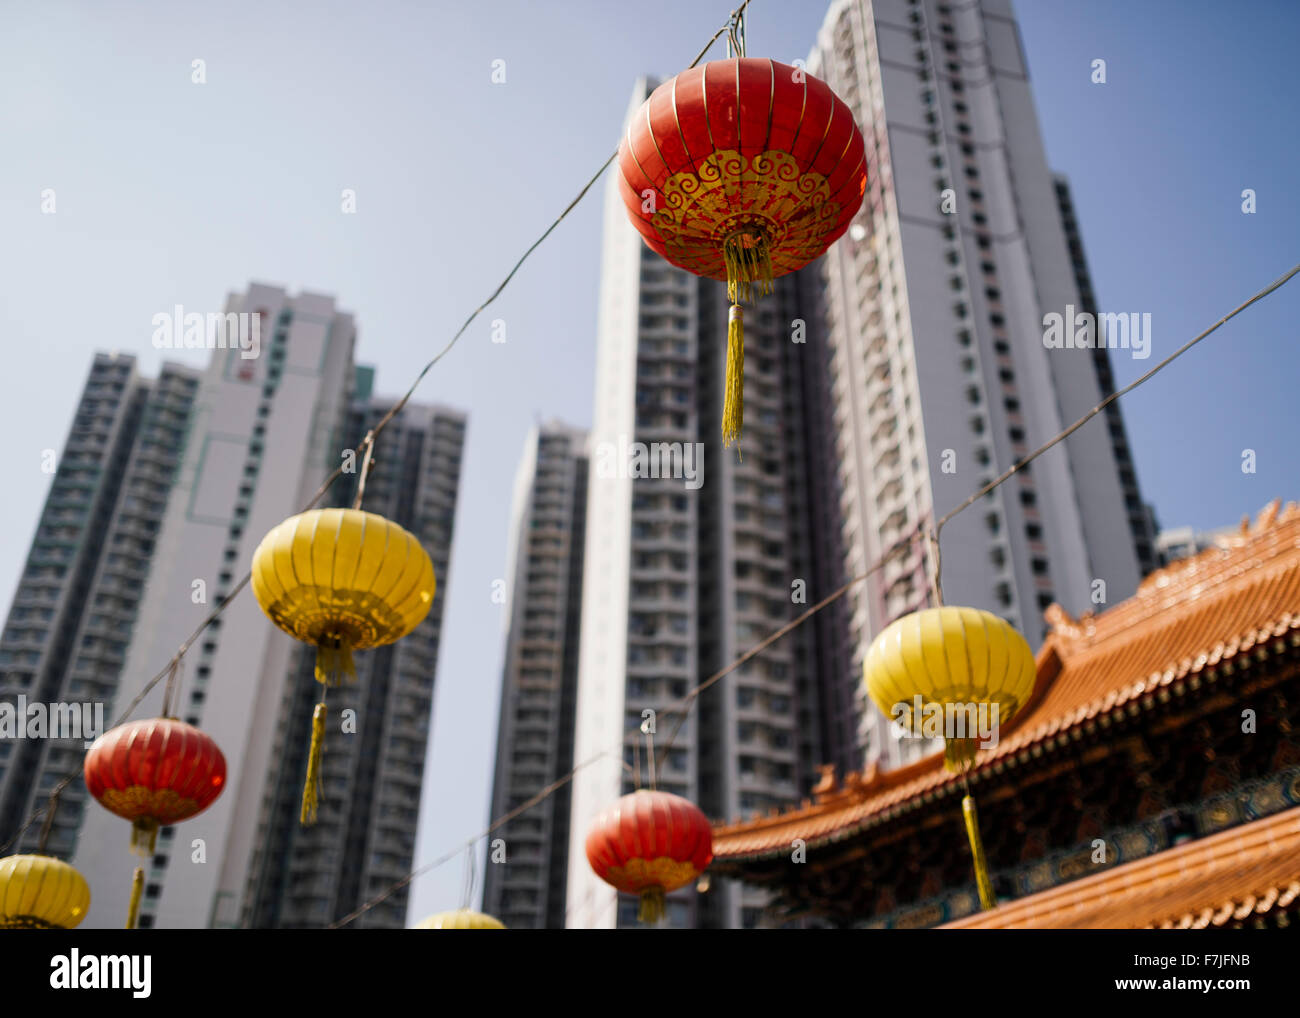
[(342, 580), (461, 919), (41, 892), (960, 662), (949, 660)]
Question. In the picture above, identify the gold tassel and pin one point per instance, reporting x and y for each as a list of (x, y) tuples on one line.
[(144, 836), (311, 791), (137, 889), (334, 664), (749, 275), (652, 905), (748, 261), (733, 403), (982, 879), (959, 754)]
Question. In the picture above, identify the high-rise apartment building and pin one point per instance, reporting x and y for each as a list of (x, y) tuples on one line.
[(79, 593), (936, 309), (162, 494), (262, 436), (364, 837), (539, 686), (693, 554)]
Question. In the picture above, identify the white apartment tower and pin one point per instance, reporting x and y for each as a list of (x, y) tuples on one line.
[(934, 306), (263, 435), (260, 435), (691, 563)]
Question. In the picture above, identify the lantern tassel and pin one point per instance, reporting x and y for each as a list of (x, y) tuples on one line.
[(334, 664), (652, 905), (311, 791), (982, 880), (959, 754), (749, 266), (137, 889), (749, 275), (733, 403), (144, 836)]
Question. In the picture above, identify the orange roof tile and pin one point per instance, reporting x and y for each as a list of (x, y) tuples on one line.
[(1226, 877), (1194, 616)]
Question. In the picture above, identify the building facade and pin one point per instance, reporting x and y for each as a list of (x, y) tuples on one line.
[(525, 889), (66, 637), (936, 306)]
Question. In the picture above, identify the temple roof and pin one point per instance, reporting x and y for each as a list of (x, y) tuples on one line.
[(1228, 877), (1199, 616)]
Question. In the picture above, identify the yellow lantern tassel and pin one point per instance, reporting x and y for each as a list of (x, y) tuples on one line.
[(334, 664), (311, 791), (749, 275), (733, 403), (982, 879), (959, 754), (748, 262), (652, 905), (137, 889)]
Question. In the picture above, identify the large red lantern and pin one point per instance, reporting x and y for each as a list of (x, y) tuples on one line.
[(742, 170), (649, 843), (154, 773)]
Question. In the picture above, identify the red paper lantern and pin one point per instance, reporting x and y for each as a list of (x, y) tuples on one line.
[(649, 843), (742, 170), (154, 773)]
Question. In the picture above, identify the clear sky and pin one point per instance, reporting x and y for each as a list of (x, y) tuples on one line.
[(173, 192)]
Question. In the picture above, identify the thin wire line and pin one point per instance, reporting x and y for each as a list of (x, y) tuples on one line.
[(1280, 281), (918, 533)]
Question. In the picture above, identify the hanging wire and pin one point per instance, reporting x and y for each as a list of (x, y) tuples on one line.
[(170, 689), (368, 443), (468, 894), (1005, 475), (647, 727)]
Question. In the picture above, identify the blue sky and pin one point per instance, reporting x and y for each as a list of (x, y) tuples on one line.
[(170, 192)]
